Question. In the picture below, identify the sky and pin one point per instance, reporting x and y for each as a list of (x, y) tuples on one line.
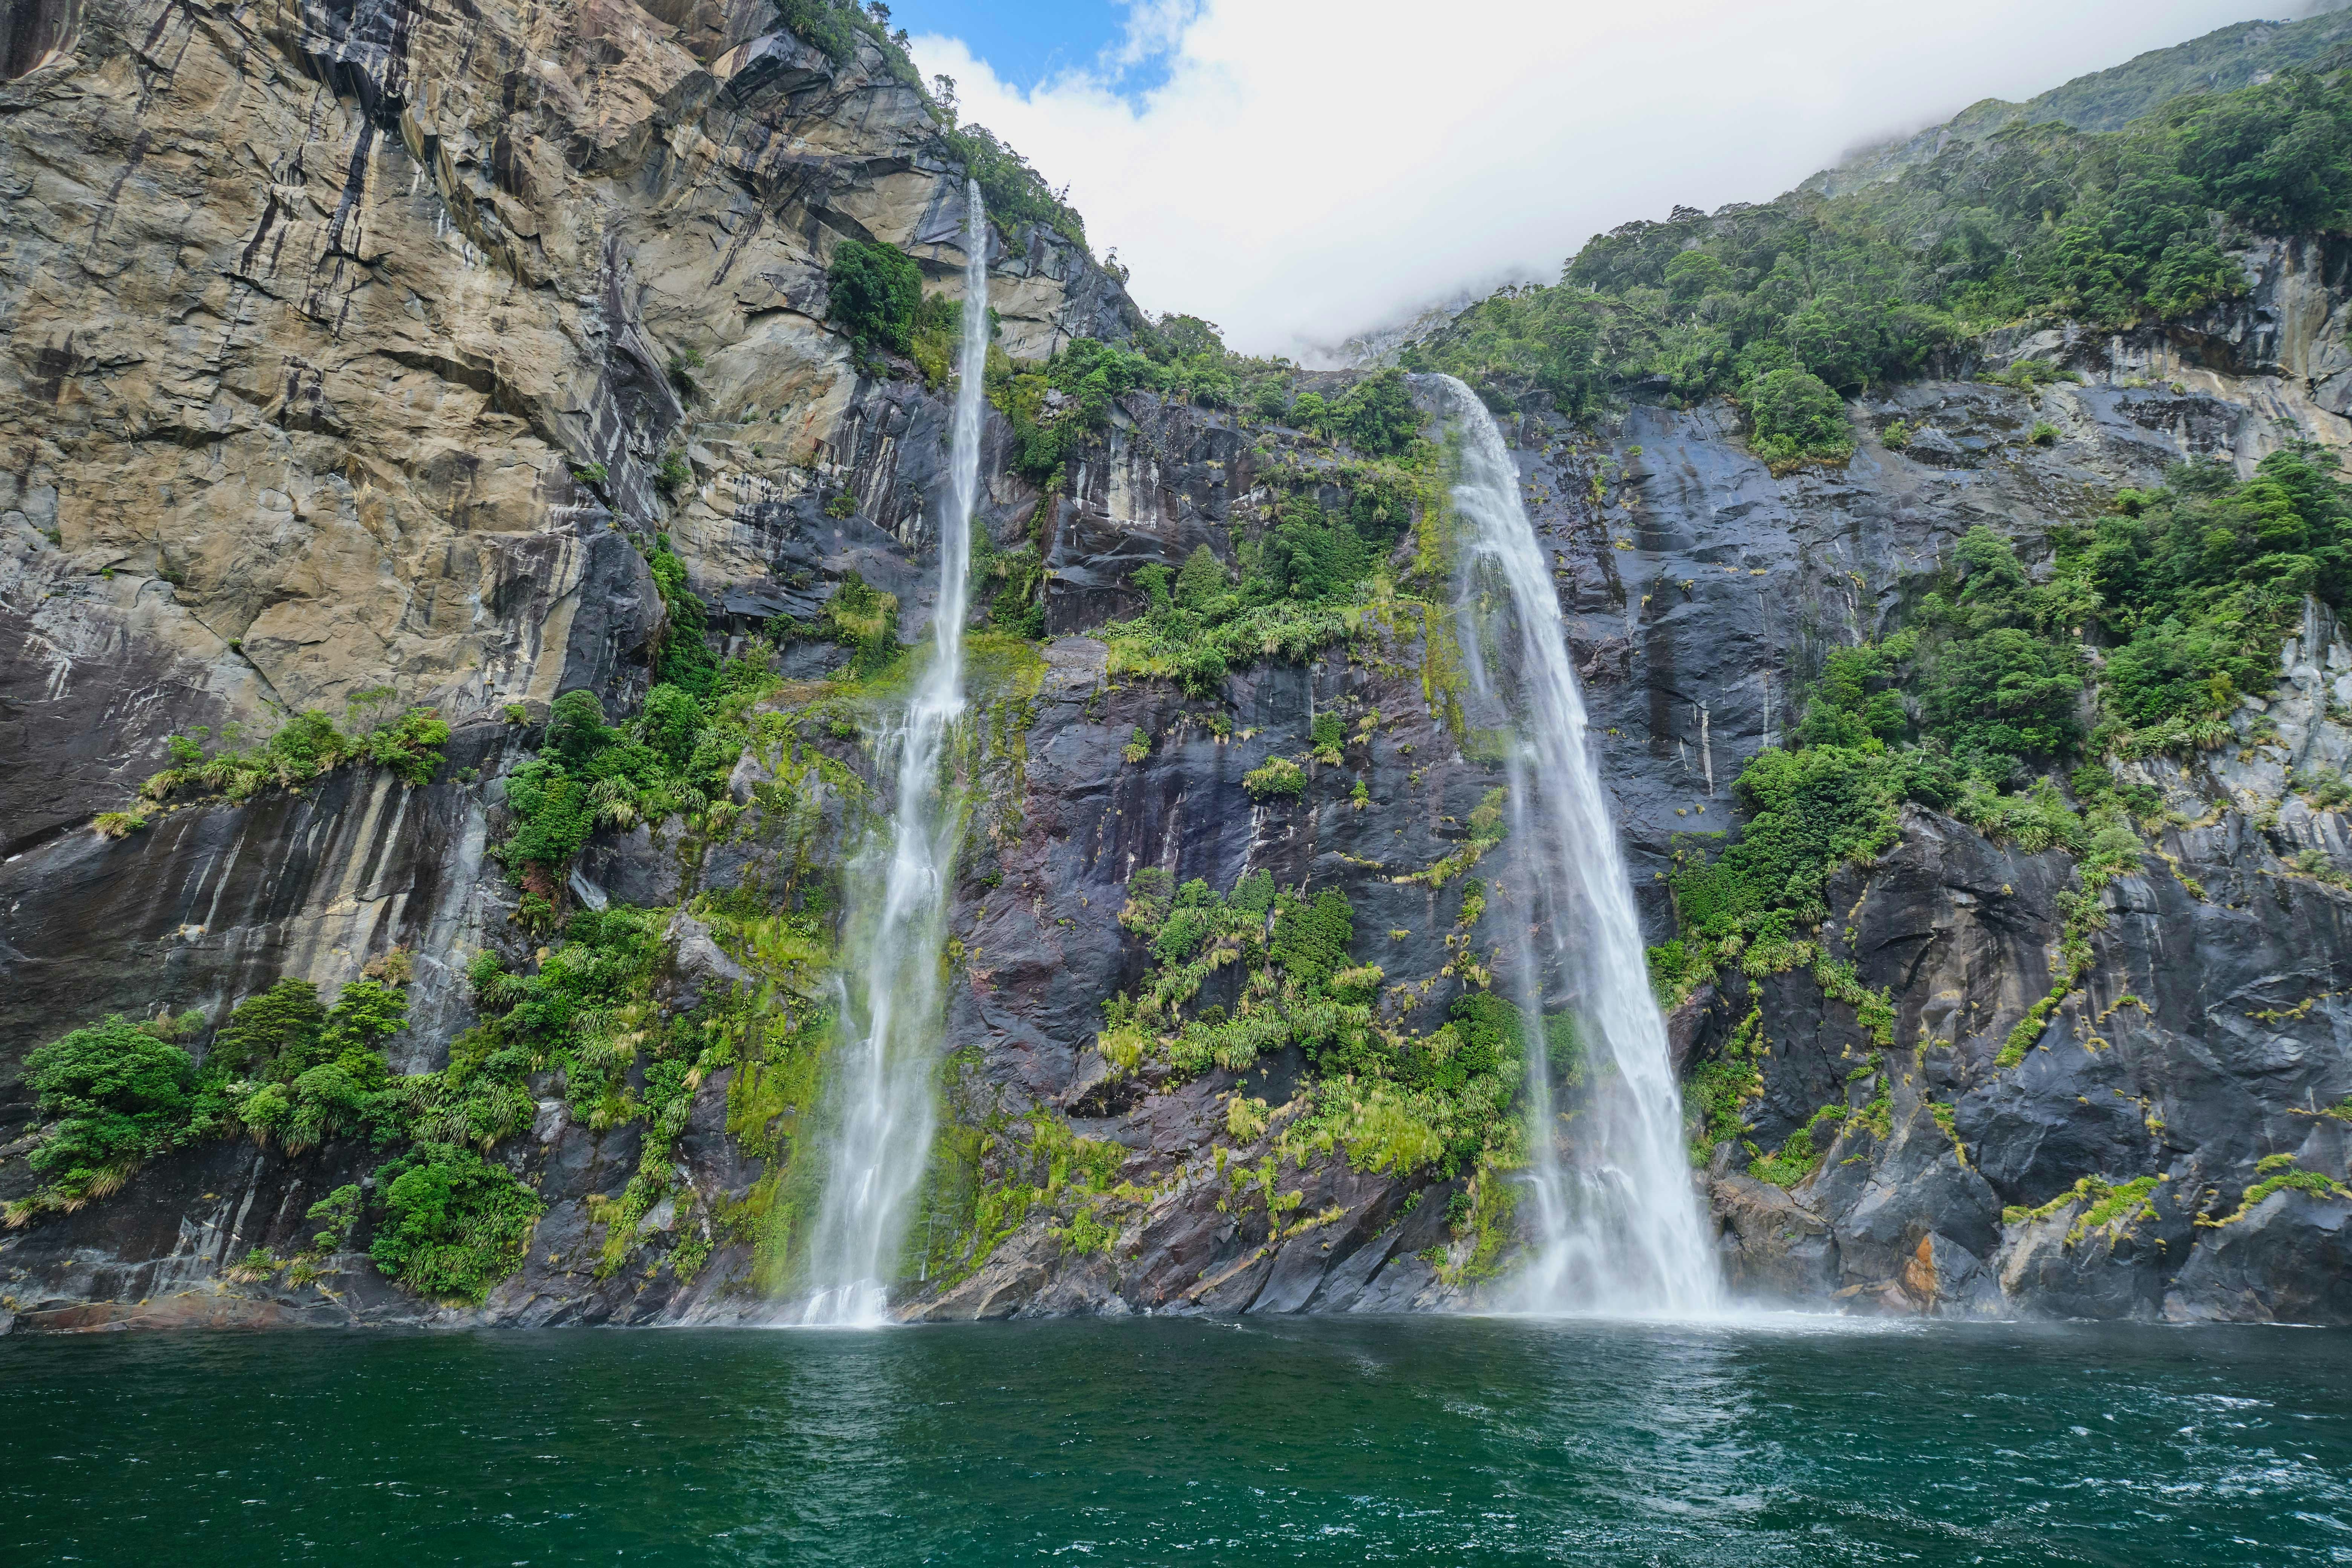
[(1297, 171)]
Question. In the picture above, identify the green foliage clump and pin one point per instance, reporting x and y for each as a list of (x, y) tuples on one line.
[(2111, 1207), (1812, 810), (1328, 736), (288, 1069), (451, 1225), (579, 1012), (1035, 1163), (116, 1096), (1311, 578), (1996, 686), (1013, 583), (864, 619), (284, 1065), (832, 27), (1974, 705), (279, 1025), (683, 659), (674, 757), (1376, 416), (1278, 779), (308, 746), (1058, 404), (2317, 1184), (1949, 712), (2198, 583), (1798, 418), (1194, 931), (1398, 1103), (1800, 1154), (1310, 941), (1716, 1094), (1389, 1099), (873, 293)]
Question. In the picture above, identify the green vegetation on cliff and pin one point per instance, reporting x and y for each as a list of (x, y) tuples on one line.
[(1015, 194), (1311, 571), (1056, 405), (674, 757), (2038, 221), (450, 1223), (307, 747), (117, 1095), (872, 292), (285, 1068), (2165, 611), (1390, 1098)]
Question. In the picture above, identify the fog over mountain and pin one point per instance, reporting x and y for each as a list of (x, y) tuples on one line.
[(1305, 170)]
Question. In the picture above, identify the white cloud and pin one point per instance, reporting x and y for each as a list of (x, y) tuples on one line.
[(1309, 168)]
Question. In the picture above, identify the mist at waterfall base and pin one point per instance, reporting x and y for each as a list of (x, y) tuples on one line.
[(881, 1106), (1616, 1228), (1437, 1440)]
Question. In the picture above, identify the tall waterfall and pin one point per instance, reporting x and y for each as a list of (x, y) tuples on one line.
[(1617, 1222), (882, 1088)]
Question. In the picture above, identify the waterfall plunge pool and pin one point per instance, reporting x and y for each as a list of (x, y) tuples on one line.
[(1434, 1440)]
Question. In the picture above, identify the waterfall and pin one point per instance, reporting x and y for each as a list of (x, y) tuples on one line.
[(1618, 1226), (882, 1085)]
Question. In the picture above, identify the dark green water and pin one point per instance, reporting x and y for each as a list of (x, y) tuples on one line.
[(1432, 1441)]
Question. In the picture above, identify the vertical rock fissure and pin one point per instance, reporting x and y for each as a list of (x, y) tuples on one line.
[(883, 1111), (1617, 1222)]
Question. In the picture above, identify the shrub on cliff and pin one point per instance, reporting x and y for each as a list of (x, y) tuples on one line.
[(117, 1095), (279, 1025), (573, 1012), (2200, 582), (452, 1225), (1016, 194), (323, 1070), (308, 745), (1309, 580), (2190, 589), (1280, 778), (1797, 417), (685, 659), (872, 292), (1376, 416)]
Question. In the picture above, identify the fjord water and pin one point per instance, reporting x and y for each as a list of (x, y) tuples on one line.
[(1436, 1441), (882, 1109), (1617, 1228)]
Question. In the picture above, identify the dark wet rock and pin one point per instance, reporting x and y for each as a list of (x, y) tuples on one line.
[(2286, 1261)]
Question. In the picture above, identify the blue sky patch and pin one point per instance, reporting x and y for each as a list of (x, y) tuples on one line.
[(1028, 41)]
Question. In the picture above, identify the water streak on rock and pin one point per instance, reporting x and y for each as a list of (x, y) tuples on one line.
[(882, 1106), (1618, 1226)]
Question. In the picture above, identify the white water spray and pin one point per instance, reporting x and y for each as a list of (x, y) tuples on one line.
[(884, 1115), (1618, 1224)]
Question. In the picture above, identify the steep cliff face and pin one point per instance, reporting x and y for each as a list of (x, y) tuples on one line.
[(2118, 1168), (367, 347), (318, 316), (344, 344)]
